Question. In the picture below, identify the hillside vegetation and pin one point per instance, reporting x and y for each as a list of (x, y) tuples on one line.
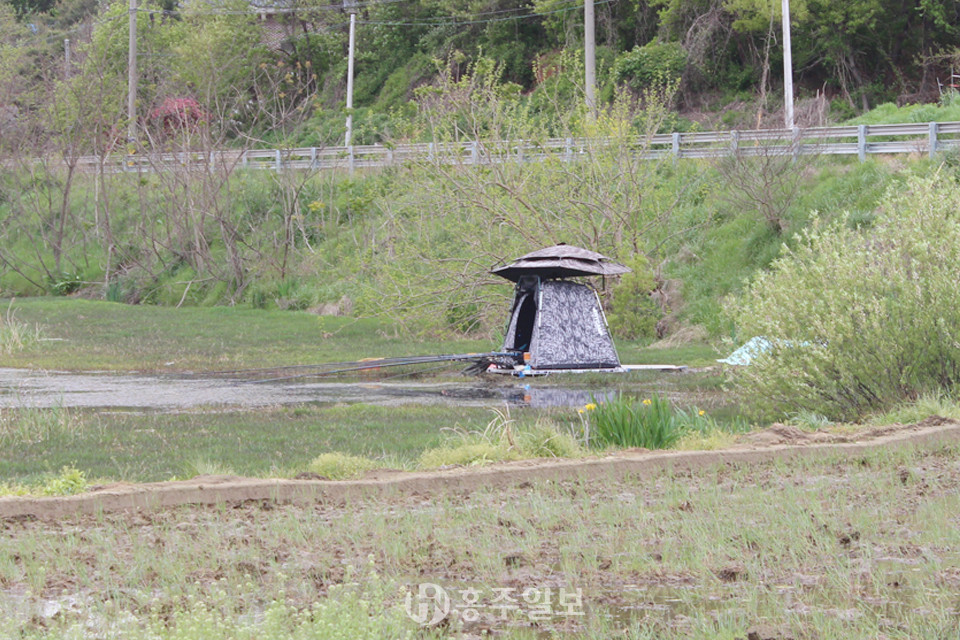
[(278, 74)]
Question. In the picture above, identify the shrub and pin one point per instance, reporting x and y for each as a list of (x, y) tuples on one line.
[(651, 64), (859, 320), (62, 283), (341, 466), (634, 314)]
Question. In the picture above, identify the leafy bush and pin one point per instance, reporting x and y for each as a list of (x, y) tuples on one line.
[(860, 319), (63, 283), (651, 64), (634, 314), (341, 466)]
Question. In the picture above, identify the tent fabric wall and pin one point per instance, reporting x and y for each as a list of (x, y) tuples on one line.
[(569, 330), (510, 340)]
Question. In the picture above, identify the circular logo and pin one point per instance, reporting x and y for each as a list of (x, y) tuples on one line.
[(429, 606)]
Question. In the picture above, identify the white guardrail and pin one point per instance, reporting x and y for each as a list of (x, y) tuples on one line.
[(859, 140)]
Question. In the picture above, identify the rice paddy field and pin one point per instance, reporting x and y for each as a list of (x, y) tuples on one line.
[(838, 548), (844, 545)]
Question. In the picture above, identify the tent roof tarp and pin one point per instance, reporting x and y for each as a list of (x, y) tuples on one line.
[(560, 261)]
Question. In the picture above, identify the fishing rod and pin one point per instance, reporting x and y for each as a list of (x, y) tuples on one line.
[(363, 363), (479, 360)]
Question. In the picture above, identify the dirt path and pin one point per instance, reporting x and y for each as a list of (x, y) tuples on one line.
[(777, 442)]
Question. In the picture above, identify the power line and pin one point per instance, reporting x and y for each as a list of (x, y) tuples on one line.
[(257, 9), (476, 18), (460, 22)]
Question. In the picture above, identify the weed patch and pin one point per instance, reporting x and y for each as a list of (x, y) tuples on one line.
[(341, 466), (502, 440), (28, 426), (15, 336)]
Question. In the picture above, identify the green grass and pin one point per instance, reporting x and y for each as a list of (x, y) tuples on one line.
[(111, 336), (89, 335), (827, 549), (156, 446), (890, 113), (131, 446)]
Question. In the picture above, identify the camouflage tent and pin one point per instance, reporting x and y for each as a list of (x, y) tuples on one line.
[(560, 324)]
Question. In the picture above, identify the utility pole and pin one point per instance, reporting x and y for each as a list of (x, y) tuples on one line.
[(590, 57), (787, 67), (66, 58), (132, 76), (351, 6)]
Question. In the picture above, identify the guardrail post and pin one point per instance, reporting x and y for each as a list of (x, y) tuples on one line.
[(313, 157), (353, 160), (568, 150), (278, 162), (796, 143), (676, 145), (389, 155), (520, 153), (862, 142), (474, 152), (244, 161), (430, 152), (734, 142), (932, 137)]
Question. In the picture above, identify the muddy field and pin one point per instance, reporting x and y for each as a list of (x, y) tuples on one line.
[(856, 541)]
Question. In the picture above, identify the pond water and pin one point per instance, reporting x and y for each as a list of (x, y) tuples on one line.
[(43, 389)]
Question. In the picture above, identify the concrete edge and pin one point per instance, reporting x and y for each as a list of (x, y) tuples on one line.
[(227, 490)]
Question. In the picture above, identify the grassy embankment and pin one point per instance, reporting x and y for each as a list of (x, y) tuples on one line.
[(828, 549)]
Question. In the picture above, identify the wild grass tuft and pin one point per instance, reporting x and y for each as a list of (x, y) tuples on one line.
[(809, 420), (928, 404), (709, 440), (342, 466), (16, 335), (467, 454), (205, 467), (29, 426), (501, 441)]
